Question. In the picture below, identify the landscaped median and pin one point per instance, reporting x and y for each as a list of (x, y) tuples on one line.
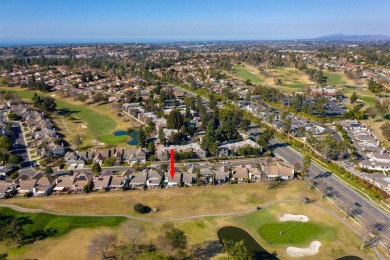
[(346, 177)]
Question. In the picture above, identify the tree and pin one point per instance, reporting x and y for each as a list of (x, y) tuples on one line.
[(175, 119), (382, 106), (11, 228), (140, 208), (142, 138), (48, 170), (248, 96), (82, 98), (134, 234), (110, 161), (151, 148), (386, 130), (354, 97), (237, 250), (44, 104), (266, 137), (209, 141), (374, 87), (77, 141), (304, 198), (306, 164), (161, 136), (5, 143), (286, 125), (212, 101), (96, 169), (88, 187), (12, 116), (150, 127), (15, 159), (98, 97), (297, 167), (101, 245), (177, 238)]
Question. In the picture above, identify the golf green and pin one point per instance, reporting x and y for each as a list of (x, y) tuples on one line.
[(290, 232)]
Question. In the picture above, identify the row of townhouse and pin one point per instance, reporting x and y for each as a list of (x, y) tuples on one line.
[(44, 185), (41, 130), (163, 152), (373, 156), (231, 149), (224, 150), (274, 118), (137, 111), (77, 159), (379, 180)]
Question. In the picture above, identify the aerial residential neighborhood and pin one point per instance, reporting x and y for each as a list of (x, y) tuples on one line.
[(194, 130)]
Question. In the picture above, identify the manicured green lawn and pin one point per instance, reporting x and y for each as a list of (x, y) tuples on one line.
[(298, 86), (240, 71), (42, 225), (334, 79), (290, 232), (112, 140), (98, 123), (367, 99)]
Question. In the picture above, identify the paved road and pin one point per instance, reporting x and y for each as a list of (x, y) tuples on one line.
[(383, 77), (369, 215), (20, 145)]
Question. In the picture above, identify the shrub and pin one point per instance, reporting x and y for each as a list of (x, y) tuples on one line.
[(139, 208)]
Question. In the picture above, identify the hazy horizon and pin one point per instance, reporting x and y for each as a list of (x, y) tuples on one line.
[(48, 22)]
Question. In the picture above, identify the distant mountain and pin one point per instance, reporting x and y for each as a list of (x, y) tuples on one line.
[(343, 37)]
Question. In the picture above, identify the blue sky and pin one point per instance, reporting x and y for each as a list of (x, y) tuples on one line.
[(170, 20)]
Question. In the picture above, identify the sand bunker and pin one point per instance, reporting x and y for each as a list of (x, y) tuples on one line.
[(297, 252), (291, 217)]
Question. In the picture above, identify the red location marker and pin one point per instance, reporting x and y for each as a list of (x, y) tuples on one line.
[(172, 163)]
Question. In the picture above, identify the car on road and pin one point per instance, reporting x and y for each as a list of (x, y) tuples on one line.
[(358, 205)]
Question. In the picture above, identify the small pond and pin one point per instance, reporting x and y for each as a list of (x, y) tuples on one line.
[(133, 134), (236, 234), (349, 257)]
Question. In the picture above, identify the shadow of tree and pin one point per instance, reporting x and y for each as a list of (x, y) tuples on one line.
[(37, 235), (66, 111), (206, 250)]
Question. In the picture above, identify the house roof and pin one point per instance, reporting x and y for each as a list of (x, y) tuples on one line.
[(193, 170), (27, 184), (102, 181), (220, 175), (138, 178), (5, 185), (176, 179), (188, 177), (241, 173), (117, 180), (65, 181), (279, 169)]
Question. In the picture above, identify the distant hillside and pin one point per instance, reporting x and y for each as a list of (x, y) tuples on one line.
[(343, 37)]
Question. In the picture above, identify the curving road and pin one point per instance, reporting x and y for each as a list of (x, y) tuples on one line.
[(235, 213)]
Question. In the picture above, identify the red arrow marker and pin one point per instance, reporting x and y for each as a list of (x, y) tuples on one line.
[(172, 163)]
